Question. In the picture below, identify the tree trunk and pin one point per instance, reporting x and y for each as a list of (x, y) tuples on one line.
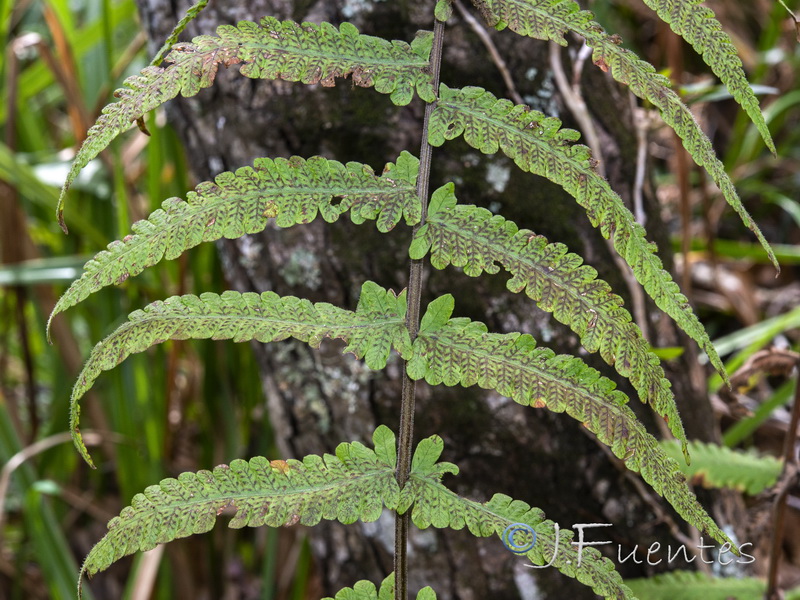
[(317, 399)]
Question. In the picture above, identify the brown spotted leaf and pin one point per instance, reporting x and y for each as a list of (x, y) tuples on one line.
[(291, 191), (356, 483), (462, 352), (271, 49), (553, 19), (471, 238), (371, 331)]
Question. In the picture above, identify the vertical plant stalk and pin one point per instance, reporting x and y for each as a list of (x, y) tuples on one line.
[(406, 436), (790, 466), (674, 45)]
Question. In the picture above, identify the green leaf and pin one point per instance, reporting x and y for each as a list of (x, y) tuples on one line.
[(426, 593), (384, 441), (365, 590), (477, 241), (698, 25), (443, 10), (427, 453), (538, 145), (716, 466), (692, 585), (425, 456), (291, 191), (551, 19), (377, 325), (670, 353), (261, 492), (439, 507), (190, 15), (437, 313), (307, 53), (463, 353)]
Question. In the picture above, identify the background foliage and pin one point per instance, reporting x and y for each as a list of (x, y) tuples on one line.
[(204, 406)]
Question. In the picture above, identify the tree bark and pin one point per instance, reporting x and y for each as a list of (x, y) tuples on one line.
[(317, 399)]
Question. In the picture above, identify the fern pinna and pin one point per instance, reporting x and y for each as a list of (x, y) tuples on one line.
[(358, 483)]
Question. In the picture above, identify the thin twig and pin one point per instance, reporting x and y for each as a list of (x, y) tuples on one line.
[(11, 251), (497, 59), (146, 573), (574, 101), (90, 438), (406, 436), (674, 50), (576, 105), (640, 123), (794, 18), (790, 467)]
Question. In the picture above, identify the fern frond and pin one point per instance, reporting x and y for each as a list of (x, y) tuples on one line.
[(551, 19), (307, 53), (698, 25), (292, 191), (377, 325), (693, 585), (435, 505), (365, 590), (461, 352), (538, 145), (472, 238), (354, 484), (715, 466)]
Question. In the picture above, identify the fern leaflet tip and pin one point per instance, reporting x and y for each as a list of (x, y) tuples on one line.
[(77, 439), (190, 15), (698, 25), (723, 467), (60, 211), (552, 19)]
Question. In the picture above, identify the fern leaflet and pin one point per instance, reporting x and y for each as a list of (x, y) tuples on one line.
[(698, 25), (473, 238), (377, 325), (190, 15), (692, 585), (271, 49), (292, 191), (365, 590), (434, 504), (538, 145), (551, 19), (461, 352), (719, 466), (354, 484)]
